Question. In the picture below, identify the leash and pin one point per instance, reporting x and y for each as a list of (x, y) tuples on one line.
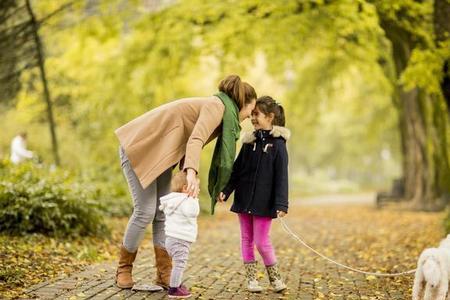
[(289, 231)]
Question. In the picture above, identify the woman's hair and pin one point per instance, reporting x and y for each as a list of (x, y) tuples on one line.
[(268, 105), (178, 181), (241, 92)]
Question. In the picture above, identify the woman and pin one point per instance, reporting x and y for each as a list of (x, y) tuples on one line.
[(152, 144)]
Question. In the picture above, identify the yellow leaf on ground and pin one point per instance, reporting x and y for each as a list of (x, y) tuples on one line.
[(371, 277)]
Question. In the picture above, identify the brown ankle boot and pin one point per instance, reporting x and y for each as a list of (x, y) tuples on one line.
[(124, 279), (163, 267)]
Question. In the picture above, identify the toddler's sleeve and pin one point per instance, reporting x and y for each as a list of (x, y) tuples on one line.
[(191, 208)]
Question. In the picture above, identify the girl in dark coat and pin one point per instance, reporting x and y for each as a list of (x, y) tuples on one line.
[(260, 184)]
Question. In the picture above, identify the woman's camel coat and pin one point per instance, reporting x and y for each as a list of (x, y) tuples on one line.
[(160, 138)]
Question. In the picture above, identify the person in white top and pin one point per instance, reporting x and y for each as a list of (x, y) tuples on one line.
[(19, 151), (181, 213)]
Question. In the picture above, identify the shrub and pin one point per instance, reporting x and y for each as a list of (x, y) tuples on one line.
[(35, 199), (447, 221), (112, 190)]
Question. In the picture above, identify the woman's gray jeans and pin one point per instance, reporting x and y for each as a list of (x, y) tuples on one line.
[(146, 203)]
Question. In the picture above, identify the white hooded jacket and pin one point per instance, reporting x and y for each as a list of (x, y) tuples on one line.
[(181, 215)]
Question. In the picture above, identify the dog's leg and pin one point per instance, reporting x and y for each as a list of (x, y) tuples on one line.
[(448, 294), (430, 292), (440, 291), (434, 293), (444, 288), (443, 284), (441, 294), (419, 285)]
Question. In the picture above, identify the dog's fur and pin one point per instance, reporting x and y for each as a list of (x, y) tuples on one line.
[(433, 272)]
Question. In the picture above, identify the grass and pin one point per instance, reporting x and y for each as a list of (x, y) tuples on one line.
[(31, 259)]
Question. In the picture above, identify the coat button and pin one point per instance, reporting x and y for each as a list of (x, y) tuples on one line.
[(249, 212)]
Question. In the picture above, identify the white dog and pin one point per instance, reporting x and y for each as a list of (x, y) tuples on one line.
[(433, 272)]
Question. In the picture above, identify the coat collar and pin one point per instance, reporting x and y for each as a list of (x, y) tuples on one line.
[(277, 131)]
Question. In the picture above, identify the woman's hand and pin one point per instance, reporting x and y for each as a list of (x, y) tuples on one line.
[(280, 213), (221, 197), (193, 183)]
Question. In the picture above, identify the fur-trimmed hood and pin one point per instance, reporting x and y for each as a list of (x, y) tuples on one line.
[(277, 131)]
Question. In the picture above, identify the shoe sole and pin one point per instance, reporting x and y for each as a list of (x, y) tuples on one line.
[(179, 297), (165, 287), (255, 291), (124, 286)]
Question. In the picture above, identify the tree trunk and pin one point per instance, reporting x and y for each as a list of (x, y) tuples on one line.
[(442, 31), (40, 57), (442, 108), (440, 121), (420, 121)]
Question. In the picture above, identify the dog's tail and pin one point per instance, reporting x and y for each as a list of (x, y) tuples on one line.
[(432, 271)]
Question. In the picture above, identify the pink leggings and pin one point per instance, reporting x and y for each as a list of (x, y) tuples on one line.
[(255, 231)]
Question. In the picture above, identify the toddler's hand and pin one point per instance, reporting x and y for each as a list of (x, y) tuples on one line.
[(221, 197), (280, 213)]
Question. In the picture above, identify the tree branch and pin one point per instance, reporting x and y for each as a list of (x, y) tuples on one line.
[(55, 12)]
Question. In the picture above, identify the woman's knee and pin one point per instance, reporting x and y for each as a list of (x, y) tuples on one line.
[(142, 217)]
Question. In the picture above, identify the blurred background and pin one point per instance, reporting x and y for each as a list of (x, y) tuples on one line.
[(364, 85)]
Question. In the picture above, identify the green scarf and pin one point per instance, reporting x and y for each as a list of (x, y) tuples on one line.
[(225, 150)]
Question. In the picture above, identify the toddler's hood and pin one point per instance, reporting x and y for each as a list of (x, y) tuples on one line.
[(170, 201)]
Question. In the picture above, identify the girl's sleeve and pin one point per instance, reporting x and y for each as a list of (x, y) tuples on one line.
[(234, 178), (281, 178)]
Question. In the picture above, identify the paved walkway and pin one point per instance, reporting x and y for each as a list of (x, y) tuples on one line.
[(356, 234)]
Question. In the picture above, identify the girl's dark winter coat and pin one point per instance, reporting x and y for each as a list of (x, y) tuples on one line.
[(260, 174)]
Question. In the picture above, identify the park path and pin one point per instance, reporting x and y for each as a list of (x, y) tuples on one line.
[(347, 228)]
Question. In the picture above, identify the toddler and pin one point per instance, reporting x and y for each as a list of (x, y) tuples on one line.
[(181, 213)]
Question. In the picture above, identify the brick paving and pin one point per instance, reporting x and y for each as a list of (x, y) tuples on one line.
[(215, 270)]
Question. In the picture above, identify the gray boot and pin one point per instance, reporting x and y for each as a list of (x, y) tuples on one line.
[(275, 278), (252, 282)]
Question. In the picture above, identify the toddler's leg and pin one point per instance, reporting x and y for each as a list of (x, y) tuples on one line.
[(261, 233), (247, 246), (179, 251)]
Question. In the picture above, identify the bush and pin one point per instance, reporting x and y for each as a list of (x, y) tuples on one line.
[(35, 199), (112, 191), (447, 221)]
